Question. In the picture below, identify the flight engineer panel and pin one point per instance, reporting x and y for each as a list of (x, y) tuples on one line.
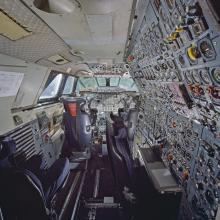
[(175, 60)]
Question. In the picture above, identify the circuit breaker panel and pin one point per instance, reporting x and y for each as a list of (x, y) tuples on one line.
[(174, 54)]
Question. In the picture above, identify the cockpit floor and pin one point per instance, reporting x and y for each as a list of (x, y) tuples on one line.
[(99, 199)]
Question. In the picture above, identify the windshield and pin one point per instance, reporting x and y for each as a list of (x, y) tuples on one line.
[(88, 83)]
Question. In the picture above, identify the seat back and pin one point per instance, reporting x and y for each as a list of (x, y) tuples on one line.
[(77, 124), (122, 146), (118, 163), (131, 123), (21, 195), (26, 192)]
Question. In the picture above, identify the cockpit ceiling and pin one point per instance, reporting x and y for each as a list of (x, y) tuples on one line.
[(94, 29), (40, 45)]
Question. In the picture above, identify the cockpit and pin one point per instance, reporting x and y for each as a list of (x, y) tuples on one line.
[(109, 109)]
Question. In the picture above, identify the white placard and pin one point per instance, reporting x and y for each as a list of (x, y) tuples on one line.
[(10, 83)]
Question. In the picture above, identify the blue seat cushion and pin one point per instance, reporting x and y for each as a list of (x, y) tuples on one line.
[(6, 153)]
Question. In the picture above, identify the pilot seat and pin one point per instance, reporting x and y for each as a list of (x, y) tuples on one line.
[(77, 129)]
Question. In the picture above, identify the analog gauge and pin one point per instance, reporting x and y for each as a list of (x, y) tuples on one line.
[(164, 66), (157, 68), (174, 75), (195, 76), (171, 64), (207, 49), (154, 76), (163, 47), (181, 60), (176, 17), (163, 15), (204, 75), (170, 4), (193, 53), (192, 10), (216, 75), (188, 77)]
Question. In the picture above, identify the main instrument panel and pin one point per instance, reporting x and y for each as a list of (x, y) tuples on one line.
[(175, 61)]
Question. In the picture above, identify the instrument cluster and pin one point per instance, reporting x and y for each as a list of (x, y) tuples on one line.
[(176, 66)]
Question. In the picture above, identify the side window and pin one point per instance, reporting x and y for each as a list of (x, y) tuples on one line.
[(52, 88), (68, 88)]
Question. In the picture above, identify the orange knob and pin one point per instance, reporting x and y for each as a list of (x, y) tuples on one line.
[(185, 175), (169, 157)]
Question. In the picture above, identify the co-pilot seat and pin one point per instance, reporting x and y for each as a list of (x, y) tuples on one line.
[(77, 129), (27, 192)]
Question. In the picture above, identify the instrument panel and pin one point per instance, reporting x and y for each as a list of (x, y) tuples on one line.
[(176, 65)]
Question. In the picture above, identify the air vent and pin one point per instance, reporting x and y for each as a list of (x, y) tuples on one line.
[(25, 144), (11, 28), (77, 52), (59, 60), (24, 141)]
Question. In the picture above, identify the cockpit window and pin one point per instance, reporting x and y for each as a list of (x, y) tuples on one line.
[(88, 82), (126, 83), (68, 88), (52, 89), (79, 86), (101, 81), (114, 81)]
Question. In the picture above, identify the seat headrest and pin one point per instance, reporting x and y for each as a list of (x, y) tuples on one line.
[(7, 150), (74, 105), (8, 147)]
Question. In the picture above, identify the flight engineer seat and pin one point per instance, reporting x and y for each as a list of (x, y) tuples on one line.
[(77, 126), (28, 192)]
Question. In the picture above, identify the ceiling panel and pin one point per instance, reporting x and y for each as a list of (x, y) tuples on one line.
[(101, 28), (42, 43), (98, 28)]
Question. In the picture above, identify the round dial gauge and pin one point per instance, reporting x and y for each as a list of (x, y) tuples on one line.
[(204, 75), (170, 4), (216, 75), (188, 77), (207, 49), (195, 76)]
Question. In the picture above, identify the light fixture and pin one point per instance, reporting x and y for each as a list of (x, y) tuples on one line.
[(11, 28), (58, 59)]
